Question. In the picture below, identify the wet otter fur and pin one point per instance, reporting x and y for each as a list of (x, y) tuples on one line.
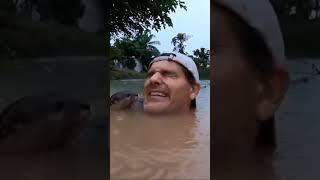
[(126, 100), (41, 123)]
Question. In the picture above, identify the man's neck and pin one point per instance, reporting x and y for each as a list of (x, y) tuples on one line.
[(172, 115)]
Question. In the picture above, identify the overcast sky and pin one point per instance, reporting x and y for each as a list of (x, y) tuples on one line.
[(195, 22)]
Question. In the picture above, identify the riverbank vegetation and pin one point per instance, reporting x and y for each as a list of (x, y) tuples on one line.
[(300, 24), (45, 29), (126, 52), (50, 28), (22, 37), (121, 73), (302, 39), (133, 43)]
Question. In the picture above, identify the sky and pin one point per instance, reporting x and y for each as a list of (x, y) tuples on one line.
[(195, 22)]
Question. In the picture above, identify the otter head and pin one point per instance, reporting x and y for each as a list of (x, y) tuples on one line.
[(123, 100), (42, 124)]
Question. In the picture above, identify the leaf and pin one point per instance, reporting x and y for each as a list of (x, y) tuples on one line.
[(129, 17)]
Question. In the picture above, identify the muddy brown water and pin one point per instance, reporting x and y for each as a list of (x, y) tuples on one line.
[(146, 148)]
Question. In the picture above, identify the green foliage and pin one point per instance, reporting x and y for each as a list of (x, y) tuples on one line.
[(140, 46), (127, 46), (133, 16), (67, 12), (116, 53), (22, 37), (126, 74), (204, 73), (130, 63), (7, 5), (64, 12), (301, 39), (145, 48), (300, 33), (201, 57), (303, 8), (146, 58), (179, 42)]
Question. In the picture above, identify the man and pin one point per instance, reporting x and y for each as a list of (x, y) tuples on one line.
[(166, 126), (250, 79), (172, 85)]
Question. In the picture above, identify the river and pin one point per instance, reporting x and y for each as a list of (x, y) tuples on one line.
[(172, 149), (186, 145), (298, 125), (83, 78)]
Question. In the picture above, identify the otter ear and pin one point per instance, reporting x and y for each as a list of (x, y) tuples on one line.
[(271, 93)]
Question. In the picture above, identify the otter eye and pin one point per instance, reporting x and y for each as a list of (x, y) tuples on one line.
[(128, 95)]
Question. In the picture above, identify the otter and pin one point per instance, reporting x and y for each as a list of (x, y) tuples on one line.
[(126, 100), (42, 123)]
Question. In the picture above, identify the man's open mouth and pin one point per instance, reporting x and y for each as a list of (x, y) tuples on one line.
[(157, 93)]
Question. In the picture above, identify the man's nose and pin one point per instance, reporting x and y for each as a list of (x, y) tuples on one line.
[(156, 78)]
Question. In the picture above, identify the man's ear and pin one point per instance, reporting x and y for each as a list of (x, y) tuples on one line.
[(271, 93), (194, 90)]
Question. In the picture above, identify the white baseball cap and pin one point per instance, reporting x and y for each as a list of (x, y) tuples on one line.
[(181, 59), (260, 15)]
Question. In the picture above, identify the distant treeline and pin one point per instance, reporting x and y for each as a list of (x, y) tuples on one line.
[(55, 33), (300, 23)]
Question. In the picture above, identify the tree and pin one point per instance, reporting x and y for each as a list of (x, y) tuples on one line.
[(116, 54), (201, 57), (281, 7), (123, 52), (67, 12), (144, 40), (130, 63), (7, 5), (303, 8), (179, 42), (145, 48), (140, 46), (127, 47), (130, 17), (61, 11)]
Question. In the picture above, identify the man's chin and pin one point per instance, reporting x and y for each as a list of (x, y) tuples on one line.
[(155, 108)]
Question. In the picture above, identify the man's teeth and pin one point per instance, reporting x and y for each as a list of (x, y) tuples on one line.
[(157, 94)]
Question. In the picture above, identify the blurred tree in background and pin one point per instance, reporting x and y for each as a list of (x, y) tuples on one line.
[(178, 42), (201, 57), (61, 11), (131, 17), (141, 47)]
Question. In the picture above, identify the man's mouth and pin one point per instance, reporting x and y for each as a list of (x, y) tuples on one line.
[(157, 93)]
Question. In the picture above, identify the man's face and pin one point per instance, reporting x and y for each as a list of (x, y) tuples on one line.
[(234, 89), (166, 89)]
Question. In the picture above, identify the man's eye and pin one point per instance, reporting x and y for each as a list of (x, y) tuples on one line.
[(149, 74), (170, 74)]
